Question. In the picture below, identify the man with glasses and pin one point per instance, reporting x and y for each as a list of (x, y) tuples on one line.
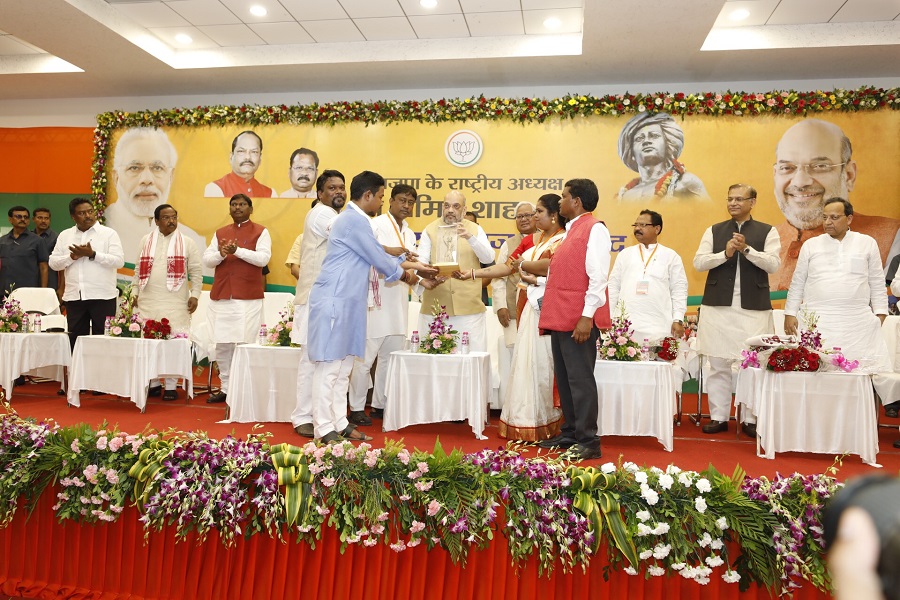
[(738, 254), (839, 278), (245, 159), (23, 255), (649, 279), (813, 162), (89, 253), (303, 171), (504, 289)]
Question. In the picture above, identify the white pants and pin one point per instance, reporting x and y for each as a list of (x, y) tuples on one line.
[(303, 410), (474, 324), (360, 382), (331, 380), (224, 354), (720, 385), (171, 383)]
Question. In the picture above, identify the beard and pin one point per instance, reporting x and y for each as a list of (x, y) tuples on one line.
[(140, 207), (809, 216)]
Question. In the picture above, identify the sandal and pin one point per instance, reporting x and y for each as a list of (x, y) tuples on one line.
[(353, 434)]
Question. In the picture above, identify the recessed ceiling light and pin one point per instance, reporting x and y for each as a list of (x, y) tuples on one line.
[(552, 23), (428, 3), (258, 11), (183, 38), (739, 15)]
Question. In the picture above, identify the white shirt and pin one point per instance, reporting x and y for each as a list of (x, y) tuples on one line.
[(390, 318), (663, 298), (89, 279), (259, 257), (842, 274), (596, 264)]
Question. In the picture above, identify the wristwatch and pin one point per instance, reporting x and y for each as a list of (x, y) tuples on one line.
[(93, 256), (746, 250)]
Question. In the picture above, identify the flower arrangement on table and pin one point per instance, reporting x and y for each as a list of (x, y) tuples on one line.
[(647, 520), (157, 330), (803, 353), (11, 316), (280, 333), (441, 337), (617, 343), (127, 322)]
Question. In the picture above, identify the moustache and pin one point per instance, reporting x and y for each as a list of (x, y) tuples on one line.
[(248, 162), (146, 190)]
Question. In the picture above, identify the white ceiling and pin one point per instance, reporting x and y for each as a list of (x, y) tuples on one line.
[(129, 47)]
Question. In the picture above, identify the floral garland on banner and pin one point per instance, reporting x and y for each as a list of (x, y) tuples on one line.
[(653, 521), (482, 108)]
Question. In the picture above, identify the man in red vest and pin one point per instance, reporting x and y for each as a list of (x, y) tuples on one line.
[(238, 252), (574, 309)]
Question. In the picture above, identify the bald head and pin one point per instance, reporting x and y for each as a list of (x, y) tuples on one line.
[(454, 208), (813, 162)]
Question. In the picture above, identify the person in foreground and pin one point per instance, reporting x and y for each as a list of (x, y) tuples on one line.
[(528, 413), (238, 252), (574, 309), (337, 305), (168, 260), (738, 254), (838, 278)]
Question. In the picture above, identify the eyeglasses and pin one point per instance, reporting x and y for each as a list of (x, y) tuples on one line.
[(642, 225), (303, 169), (810, 168), (738, 199), (525, 216), (21, 217)]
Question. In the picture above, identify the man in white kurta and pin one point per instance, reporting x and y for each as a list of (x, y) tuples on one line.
[(839, 279), (736, 304), (332, 196), (386, 318), (168, 279), (649, 279), (337, 306), (238, 252), (471, 239)]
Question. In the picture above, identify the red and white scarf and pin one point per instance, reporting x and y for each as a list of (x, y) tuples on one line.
[(176, 271)]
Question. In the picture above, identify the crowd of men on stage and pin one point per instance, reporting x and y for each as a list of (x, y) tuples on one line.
[(356, 269)]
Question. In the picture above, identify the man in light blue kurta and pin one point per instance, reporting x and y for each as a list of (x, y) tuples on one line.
[(338, 301)]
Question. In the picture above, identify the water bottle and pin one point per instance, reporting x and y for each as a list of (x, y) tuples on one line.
[(26, 323), (414, 342), (645, 349), (107, 327), (263, 335), (464, 343), (37, 324)]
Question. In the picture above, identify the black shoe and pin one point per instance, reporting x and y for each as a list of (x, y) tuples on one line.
[(170, 395), (376, 413), (60, 392), (891, 412), (359, 417), (559, 441), (20, 380), (581, 452), (96, 393), (217, 398), (331, 437), (715, 427), (306, 430), (896, 443), (749, 429), (155, 392)]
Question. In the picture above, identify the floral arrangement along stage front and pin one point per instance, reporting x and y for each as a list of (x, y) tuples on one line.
[(649, 521)]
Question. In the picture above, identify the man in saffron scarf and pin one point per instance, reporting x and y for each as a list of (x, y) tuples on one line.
[(650, 145), (168, 279)]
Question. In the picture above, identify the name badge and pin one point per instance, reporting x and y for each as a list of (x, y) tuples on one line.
[(643, 287)]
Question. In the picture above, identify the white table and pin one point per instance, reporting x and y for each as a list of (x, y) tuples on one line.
[(263, 383), (827, 413), (24, 352), (125, 366), (432, 388), (637, 398)]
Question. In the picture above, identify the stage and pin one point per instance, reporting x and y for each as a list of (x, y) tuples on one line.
[(43, 558)]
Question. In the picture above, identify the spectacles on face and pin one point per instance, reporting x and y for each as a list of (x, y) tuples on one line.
[(729, 199), (642, 225), (819, 168), (525, 216), (303, 169), (20, 217)]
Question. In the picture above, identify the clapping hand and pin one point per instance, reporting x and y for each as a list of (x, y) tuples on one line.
[(228, 247), (77, 251)]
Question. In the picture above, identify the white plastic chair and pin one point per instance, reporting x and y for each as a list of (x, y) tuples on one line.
[(37, 300), (54, 323)]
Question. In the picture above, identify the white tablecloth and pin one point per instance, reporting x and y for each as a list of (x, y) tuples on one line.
[(826, 413), (637, 398), (263, 383), (24, 352), (432, 388), (125, 366)]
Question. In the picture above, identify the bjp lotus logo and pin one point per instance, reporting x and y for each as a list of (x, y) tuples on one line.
[(463, 148)]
